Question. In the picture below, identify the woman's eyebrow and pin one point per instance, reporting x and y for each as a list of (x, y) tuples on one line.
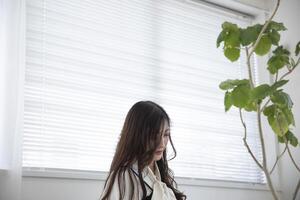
[(167, 130)]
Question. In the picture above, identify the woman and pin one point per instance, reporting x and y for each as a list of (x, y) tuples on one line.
[(139, 169)]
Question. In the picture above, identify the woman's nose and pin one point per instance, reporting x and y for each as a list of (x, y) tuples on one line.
[(162, 142)]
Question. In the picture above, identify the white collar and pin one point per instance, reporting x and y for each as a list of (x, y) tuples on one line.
[(147, 174)]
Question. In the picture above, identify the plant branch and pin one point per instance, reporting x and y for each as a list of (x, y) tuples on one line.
[(276, 77), (262, 142), (261, 136), (287, 73), (277, 159), (263, 30), (265, 105), (296, 190), (249, 68), (291, 156), (245, 141)]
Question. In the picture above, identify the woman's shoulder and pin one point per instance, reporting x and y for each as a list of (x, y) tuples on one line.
[(121, 183), (120, 177)]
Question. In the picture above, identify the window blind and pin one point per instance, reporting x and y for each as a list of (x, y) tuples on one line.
[(88, 62)]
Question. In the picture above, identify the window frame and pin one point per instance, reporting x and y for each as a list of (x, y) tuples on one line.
[(272, 146)]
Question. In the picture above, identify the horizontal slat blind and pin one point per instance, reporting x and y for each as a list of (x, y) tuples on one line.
[(88, 62)]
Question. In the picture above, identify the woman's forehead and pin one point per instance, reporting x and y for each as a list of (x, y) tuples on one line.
[(165, 126)]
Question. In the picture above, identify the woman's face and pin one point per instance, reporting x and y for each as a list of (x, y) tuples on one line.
[(165, 133)]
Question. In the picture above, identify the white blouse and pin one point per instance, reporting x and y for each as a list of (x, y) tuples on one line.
[(160, 189)]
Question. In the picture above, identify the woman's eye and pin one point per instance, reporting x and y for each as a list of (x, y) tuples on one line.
[(166, 134)]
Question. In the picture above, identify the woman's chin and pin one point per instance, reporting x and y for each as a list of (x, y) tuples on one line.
[(158, 157)]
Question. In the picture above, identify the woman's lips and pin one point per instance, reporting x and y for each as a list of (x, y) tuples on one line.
[(159, 152)]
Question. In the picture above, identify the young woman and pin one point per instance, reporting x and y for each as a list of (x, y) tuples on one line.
[(139, 170)]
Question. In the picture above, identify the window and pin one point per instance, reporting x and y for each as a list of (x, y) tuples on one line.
[(88, 62)]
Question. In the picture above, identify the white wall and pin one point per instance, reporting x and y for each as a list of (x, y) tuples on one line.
[(38, 188), (10, 137), (74, 189)]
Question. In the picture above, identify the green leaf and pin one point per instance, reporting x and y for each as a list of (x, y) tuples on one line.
[(260, 92), (279, 84), (280, 50), (226, 85), (292, 63), (275, 37), (280, 139), (232, 39), (291, 138), (278, 60), (229, 26), (278, 123), (232, 53), (251, 106), (282, 99), (288, 115), (227, 101), (258, 28), (263, 45), (277, 119), (229, 84), (231, 35), (276, 26), (249, 35), (297, 50), (220, 39), (240, 96), (269, 110)]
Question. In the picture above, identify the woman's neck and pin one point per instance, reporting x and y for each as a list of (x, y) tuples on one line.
[(152, 166)]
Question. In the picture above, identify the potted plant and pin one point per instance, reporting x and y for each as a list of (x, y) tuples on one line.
[(267, 100)]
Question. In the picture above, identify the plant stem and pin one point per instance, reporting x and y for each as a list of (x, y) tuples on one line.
[(287, 73), (291, 156), (265, 105), (277, 159), (265, 167), (296, 190), (276, 77), (245, 141), (249, 68)]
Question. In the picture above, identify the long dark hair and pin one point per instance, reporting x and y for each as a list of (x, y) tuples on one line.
[(140, 136)]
